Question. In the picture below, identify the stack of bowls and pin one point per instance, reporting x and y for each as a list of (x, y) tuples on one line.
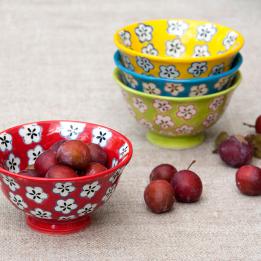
[(177, 76)]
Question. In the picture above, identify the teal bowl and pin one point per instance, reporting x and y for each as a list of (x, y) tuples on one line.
[(217, 81)]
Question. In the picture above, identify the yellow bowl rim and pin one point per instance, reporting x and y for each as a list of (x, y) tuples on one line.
[(116, 74), (179, 59)]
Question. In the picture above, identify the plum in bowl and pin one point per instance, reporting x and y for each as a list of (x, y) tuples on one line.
[(59, 205)]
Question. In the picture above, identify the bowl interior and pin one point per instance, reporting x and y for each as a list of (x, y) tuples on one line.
[(237, 62), (179, 38), (21, 145)]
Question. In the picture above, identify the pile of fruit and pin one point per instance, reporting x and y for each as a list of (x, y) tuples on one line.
[(68, 159), (168, 185), (237, 151)]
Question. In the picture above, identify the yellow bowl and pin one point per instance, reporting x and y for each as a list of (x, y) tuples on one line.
[(178, 48)]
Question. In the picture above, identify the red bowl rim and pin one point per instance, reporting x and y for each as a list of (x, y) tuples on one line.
[(98, 175)]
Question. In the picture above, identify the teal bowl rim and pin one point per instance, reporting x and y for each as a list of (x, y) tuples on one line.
[(238, 62), (236, 82)]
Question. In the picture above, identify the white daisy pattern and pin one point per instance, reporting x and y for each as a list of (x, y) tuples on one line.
[(5, 142), (222, 82), (162, 105), (139, 104), (108, 193), (144, 63), (71, 130), (115, 175), (17, 200), (39, 213), (144, 32), (186, 112), (10, 183), (197, 68), (63, 189), (126, 62), (164, 122), (65, 218), (30, 133), (88, 208), (33, 154), (198, 90), (216, 103), (150, 50), (131, 80), (123, 150), (101, 136), (36, 194), (146, 123), (65, 206), (169, 72), (218, 69), (13, 163), (184, 129), (114, 162), (210, 120), (177, 27), (206, 32), (230, 39), (201, 51), (174, 48), (89, 190), (174, 88), (149, 87), (125, 38)]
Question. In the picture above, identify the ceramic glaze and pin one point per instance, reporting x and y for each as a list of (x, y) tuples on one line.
[(178, 88), (176, 122), (59, 205), (178, 48)]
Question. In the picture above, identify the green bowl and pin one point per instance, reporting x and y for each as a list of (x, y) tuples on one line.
[(176, 123)]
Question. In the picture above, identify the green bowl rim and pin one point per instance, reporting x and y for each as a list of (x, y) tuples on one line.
[(238, 79)]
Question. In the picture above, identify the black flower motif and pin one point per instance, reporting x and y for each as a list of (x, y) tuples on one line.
[(197, 68), (31, 133), (5, 142), (169, 72), (144, 63)]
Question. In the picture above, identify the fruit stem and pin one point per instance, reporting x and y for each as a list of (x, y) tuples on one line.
[(193, 162), (248, 125)]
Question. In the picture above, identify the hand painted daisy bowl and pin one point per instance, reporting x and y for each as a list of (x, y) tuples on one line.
[(178, 88), (59, 206), (178, 48), (177, 123)]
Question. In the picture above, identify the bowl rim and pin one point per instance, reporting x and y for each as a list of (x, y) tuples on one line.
[(116, 74), (238, 62), (124, 162), (217, 57)]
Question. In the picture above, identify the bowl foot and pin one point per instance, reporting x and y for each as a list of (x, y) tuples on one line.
[(58, 228), (179, 142)]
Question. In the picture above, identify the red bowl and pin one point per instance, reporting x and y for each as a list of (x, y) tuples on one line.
[(59, 205)]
